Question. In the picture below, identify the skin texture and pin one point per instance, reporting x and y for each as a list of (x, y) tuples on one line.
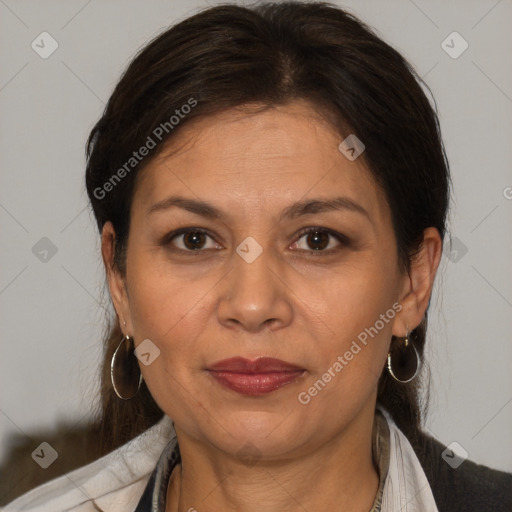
[(293, 302)]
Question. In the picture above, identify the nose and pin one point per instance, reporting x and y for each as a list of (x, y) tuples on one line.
[(254, 295)]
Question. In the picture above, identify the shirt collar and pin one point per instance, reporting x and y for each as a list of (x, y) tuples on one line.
[(381, 456), (154, 495)]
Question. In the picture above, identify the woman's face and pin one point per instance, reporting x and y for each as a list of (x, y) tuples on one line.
[(255, 285)]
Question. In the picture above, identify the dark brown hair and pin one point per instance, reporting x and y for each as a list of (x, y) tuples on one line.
[(270, 54)]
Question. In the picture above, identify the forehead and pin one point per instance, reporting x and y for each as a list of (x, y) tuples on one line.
[(249, 158)]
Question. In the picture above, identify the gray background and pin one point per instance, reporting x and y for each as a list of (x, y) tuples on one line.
[(52, 311)]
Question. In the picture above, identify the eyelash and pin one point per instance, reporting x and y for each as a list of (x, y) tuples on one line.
[(342, 239)]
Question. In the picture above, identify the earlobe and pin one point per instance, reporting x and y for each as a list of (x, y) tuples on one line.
[(418, 283), (114, 278)]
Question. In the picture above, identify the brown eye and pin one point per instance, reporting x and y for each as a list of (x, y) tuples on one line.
[(189, 240), (320, 239), (194, 240), (317, 240)]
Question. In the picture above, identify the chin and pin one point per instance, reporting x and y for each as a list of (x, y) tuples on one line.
[(267, 432)]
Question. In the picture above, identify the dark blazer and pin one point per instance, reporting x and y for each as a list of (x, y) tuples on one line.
[(469, 488)]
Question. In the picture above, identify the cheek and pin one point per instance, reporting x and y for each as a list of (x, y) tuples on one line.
[(169, 312), (355, 296), (358, 305), (350, 361), (164, 299)]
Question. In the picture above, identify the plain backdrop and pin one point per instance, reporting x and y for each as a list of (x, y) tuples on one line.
[(52, 303)]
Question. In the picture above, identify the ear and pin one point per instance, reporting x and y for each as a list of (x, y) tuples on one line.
[(418, 284), (115, 280)]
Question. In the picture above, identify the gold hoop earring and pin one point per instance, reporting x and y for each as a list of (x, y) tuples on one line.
[(125, 370), (404, 362)]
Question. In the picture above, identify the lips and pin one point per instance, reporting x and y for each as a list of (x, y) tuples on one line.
[(257, 377), (260, 365)]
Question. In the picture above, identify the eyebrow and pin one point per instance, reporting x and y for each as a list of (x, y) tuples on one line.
[(305, 207)]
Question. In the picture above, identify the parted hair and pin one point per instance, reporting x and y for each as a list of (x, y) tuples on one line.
[(270, 54)]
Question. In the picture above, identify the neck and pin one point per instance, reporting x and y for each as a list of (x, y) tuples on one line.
[(340, 475)]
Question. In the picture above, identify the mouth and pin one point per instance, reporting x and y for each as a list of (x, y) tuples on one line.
[(257, 377)]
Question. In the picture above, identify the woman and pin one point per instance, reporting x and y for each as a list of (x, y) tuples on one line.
[(271, 190)]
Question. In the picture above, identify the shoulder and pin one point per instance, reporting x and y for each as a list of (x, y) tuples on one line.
[(113, 483), (468, 486)]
